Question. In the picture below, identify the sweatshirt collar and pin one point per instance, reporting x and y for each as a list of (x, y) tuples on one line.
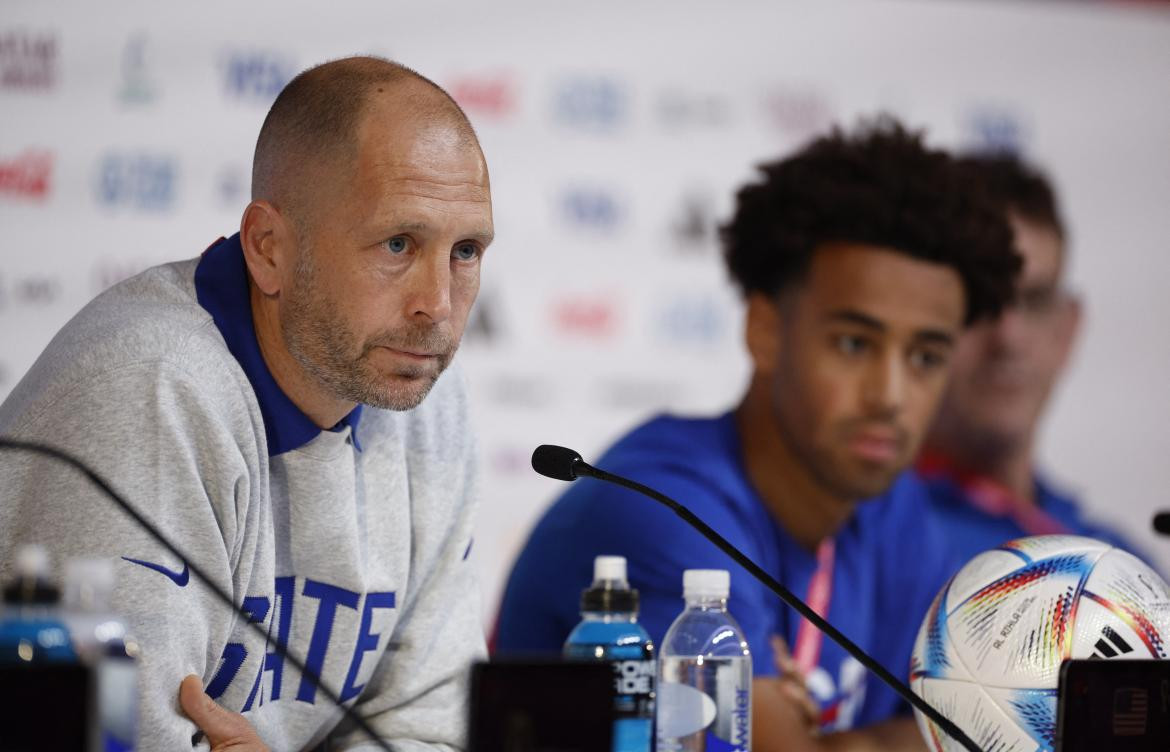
[(221, 286)]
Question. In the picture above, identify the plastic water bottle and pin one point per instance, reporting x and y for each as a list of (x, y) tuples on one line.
[(31, 628), (704, 672), (609, 631), (101, 641)]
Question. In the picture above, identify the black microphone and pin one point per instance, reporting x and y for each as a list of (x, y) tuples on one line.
[(1161, 521), (145, 524), (562, 463)]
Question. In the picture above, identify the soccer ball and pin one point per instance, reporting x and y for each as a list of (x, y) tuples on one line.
[(989, 651)]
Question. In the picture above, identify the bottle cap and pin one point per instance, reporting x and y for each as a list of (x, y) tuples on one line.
[(32, 561), (89, 581), (31, 585), (609, 568), (706, 583), (610, 591)]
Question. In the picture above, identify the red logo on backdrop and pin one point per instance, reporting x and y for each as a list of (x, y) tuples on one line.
[(28, 62), (27, 175), (585, 316), (492, 96), (799, 113)]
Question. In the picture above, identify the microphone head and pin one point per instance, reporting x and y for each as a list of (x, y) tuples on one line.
[(1162, 523), (557, 462)]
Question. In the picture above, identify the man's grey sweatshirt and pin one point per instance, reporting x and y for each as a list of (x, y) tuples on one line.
[(355, 557)]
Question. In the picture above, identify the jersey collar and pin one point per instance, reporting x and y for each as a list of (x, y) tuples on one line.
[(221, 286)]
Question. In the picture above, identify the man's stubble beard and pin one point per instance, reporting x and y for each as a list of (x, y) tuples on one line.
[(319, 339)]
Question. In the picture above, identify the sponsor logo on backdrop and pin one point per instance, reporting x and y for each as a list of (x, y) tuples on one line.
[(585, 316), (591, 208), (27, 175), (511, 460), (994, 129), (28, 60), (797, 113), (678, 109), (483, 326), (233, 186), (692, 320), (256, 75), (134, 180), (630, 393), (595, 104), (29, 291), (513, 390), (108, 272), (489, 96), (694, 227), (137, 85)]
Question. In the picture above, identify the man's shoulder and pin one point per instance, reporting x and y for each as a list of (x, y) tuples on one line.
[(148, 328)]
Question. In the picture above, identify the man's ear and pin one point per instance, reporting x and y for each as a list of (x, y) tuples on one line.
[(762, 331), (269, 246)]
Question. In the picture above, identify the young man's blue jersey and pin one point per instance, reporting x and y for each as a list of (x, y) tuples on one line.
[(888, 562)]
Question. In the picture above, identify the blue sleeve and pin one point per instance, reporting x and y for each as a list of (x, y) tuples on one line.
[(540, 603)]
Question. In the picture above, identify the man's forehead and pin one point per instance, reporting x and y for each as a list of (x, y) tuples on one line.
[(885, 285)]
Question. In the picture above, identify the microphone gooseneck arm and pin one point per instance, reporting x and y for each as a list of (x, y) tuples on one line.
[(49, 451), (571, 466)]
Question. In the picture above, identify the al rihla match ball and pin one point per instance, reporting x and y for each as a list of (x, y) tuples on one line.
[(989, 651)]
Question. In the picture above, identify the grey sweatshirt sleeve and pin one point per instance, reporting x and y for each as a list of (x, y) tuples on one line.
[(136, 425)]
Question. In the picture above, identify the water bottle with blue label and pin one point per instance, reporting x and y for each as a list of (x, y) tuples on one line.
[(704, 672), (609, 631), (31, 629)]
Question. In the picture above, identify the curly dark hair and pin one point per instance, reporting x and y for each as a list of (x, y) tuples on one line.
[(1015, 185), (880, 186)]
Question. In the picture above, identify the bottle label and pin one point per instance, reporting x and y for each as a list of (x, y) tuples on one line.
[(633, 683)]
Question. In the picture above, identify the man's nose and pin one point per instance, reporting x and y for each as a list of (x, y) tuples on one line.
[(429, 286), (884, 389)]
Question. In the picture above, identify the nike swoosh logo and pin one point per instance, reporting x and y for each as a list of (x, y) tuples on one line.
[(179, 578)]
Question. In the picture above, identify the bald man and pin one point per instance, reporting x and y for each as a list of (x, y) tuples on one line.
[(280, 407)]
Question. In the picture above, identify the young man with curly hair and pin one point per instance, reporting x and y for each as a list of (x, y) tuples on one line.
[(862, 258)]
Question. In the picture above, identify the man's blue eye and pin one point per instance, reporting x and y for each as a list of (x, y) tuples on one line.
[(466, 251), (396, 245)]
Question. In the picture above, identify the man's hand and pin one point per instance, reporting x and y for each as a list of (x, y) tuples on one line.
[(794, 686), (225, 730)]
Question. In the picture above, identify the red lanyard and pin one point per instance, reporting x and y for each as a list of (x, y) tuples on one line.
[(807, 652), (995, 500)]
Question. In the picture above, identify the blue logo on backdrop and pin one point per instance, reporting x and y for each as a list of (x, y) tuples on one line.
[(596, 104), (692, 320), (256, 75), (994, 129), (591, 209), (137, 181)]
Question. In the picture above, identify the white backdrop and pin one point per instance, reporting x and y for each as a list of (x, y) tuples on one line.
[(615, 133)]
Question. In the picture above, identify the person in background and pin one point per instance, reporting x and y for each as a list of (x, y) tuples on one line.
[(861, 258), (979, 460), (280, 407)]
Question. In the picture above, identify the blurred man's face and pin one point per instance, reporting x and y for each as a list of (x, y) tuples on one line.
[(1004, 369), (389, 269), (861, 352)]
